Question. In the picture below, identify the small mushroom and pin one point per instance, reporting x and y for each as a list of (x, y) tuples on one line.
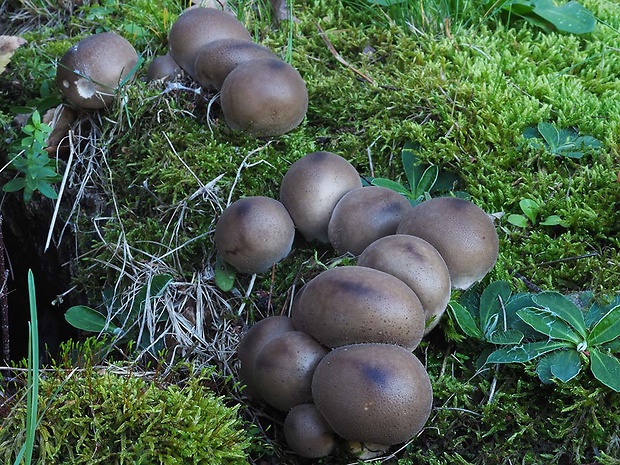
[(311, 188), (284, 367), (264, 97), (419, 265), (163, 68), (252, 343), (462, 232), (90, 72), (373, 393), (217, 59), (363, 215), (254, 233), (353, 304), (195, 28), (307, 433)]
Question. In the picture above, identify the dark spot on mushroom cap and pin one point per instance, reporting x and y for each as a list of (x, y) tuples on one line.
[(353, 304), (419, 265), (253, 233), (264, 97), (461, 231), (373, 393), (311, 188), (284, 367)]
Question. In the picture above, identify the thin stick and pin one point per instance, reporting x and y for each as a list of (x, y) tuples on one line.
[(4, 305), (341, 60)]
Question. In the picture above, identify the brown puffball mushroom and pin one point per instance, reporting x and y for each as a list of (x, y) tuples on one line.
[(284, 367), (363, 215), (195, 28), (373, 393), (354, 304), (307, 433), (254, 233), (311, 188), (419, 265), (217, 59), (89, 73), (253, 341), (163, 68), (462, 232), (264, 97)]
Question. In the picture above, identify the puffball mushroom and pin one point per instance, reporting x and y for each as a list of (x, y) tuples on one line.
[(217, 59), (419, 265), (264, 97), (462, 232), (89, 73), (353, 304), (253, 341), (311, 188), (253, 233), (163, 68), (363, 215), (195, 28), (373, 393), (284, 367), (307, 433)]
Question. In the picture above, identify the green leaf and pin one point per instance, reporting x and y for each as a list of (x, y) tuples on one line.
[(599, 309), (465, 320), (526, 352), (543, 322), (559, 305), (388, 183), (605, 368), (518, 220), (565, 365), (507, 337), (427, 181), (14, 185), (409, 161), (89, 319), (570, 17), (224, 275), (550, 134), (494, 296), (530, 208), (543, 369), (552, 220), (607, 329), (47, 190), (154, 288)]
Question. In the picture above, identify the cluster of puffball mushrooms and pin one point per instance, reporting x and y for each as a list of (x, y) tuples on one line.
[(259, 93), (341, 365)]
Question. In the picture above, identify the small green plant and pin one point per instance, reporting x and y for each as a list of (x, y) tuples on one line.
[(123, 327), (571, 340), (422, 181), (30, 158), (571, 17), (531, 209), (560, 142)]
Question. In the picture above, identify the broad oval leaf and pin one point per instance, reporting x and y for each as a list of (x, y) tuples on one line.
[(543, 369), (544, 322), (14, 185), (507, 337), (570, 17), (427, 181), (89, 319), (552, 220), (565, 365), (605, 368), (388, 183), (530, 208), (607, 329), (518, 220), (224, 275), (563, 308), (465, 320), (550, 134), (492, 301), (526, 352)]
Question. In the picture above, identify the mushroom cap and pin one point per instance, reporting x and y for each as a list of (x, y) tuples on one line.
[(253, 233), (311, 188), (373, 393), (264, 97), (419, 265), (89, 73), (195, 28), (354, 304), (363, 215), (253, 341), (462, 232), (284, 367), (163, 67), (308, 433), (217, 59)]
